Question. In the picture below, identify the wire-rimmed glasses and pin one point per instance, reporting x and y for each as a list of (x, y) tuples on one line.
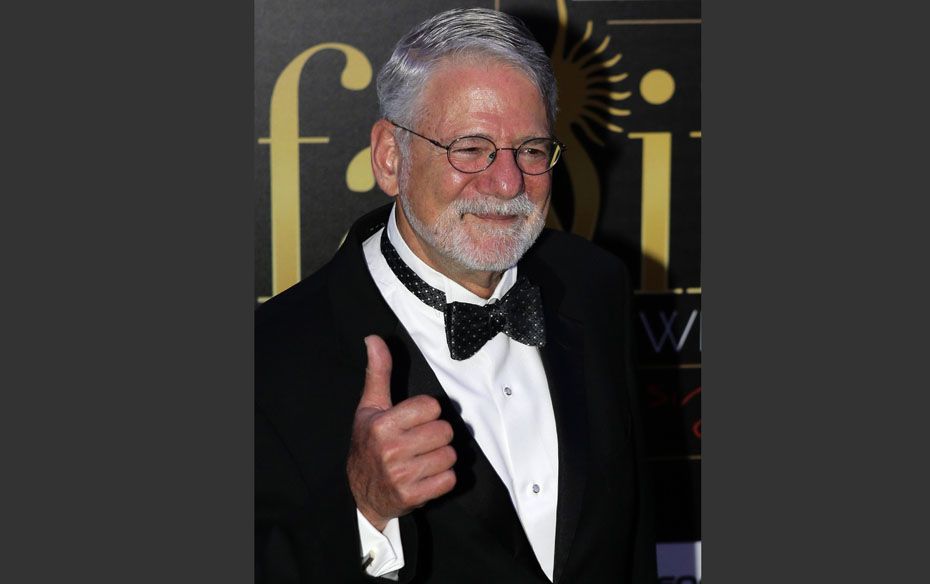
[(473, 154)]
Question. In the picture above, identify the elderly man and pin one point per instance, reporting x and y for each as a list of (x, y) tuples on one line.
[(449, 399)]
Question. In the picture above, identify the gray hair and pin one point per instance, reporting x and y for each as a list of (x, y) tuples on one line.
[(457, 33)]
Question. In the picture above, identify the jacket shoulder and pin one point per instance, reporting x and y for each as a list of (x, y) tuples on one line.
[(299, 299), (577, 259), (294, 336)]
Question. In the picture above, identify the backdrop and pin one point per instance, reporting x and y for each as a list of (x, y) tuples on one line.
[(629, 85)]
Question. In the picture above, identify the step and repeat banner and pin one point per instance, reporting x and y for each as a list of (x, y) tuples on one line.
[(629, 74)]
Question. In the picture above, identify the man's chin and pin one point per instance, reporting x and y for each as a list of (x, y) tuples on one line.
[(492, 253)]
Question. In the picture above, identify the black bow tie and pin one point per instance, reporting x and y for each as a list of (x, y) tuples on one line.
[(518, 314)]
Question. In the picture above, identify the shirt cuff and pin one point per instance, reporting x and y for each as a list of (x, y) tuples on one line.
[(383, 548)]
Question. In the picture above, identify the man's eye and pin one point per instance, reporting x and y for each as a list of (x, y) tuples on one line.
[(532, 152), (470, 151)]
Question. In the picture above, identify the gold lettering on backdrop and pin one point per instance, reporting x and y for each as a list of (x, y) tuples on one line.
[(284, 141), (585, 98), (359, 177), (656, 208), (588, 94), (657, 86)]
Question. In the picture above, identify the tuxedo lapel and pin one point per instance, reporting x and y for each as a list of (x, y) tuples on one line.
[(356, 302), (564, 369), (562, 358)]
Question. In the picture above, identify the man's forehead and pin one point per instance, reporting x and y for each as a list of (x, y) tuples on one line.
[(490, 73), (463, 93)]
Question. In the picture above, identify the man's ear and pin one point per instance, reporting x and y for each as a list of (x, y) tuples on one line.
[(385, 157)]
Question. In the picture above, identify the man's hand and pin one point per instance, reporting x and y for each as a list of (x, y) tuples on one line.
[(400, 456)]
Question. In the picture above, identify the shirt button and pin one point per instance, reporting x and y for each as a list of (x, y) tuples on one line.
[(535, 488), (507, 391)]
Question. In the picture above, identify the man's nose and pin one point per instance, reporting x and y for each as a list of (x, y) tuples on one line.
[(504, 178)]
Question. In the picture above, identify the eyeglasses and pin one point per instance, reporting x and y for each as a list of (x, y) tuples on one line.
[(473, 154)]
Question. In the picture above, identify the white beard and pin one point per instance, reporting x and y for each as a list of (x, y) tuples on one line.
[(480, 247)]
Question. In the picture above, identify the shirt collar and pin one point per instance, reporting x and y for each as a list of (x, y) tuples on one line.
[(454, 291)]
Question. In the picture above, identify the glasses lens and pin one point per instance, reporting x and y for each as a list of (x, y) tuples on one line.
[(538, 155), (471, 153)]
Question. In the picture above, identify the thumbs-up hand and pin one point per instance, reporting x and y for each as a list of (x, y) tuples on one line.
[(400, 456)]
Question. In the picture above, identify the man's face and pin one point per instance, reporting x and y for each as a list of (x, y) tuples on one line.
[(483, 221)]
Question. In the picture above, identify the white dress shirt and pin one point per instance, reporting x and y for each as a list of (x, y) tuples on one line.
[(504, 399)]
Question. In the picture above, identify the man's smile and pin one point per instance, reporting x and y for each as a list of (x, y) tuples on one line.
[(494, 217)]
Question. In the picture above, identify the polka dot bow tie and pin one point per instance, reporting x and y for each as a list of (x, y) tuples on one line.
[(518, 314)]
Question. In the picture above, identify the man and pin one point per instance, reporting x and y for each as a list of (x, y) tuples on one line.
[(443, 402)]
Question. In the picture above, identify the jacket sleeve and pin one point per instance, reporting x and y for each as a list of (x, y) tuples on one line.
[(302, 534), (306, 522)]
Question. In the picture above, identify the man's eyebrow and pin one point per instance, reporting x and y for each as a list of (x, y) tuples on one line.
[(517, 141)]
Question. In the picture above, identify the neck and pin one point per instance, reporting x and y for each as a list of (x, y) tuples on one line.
[(477, 282)]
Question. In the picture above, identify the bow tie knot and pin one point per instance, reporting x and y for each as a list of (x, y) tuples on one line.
[(497, 316), (518, 315)]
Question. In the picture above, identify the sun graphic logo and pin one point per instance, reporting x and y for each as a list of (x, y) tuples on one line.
[(581, 78), (590, 92)]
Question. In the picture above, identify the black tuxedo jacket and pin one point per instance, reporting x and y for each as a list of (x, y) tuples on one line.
[(309, 372)]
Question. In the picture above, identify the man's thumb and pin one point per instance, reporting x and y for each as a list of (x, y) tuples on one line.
[(377, 392)]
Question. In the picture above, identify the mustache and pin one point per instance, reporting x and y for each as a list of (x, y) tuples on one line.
[(519, 205)]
